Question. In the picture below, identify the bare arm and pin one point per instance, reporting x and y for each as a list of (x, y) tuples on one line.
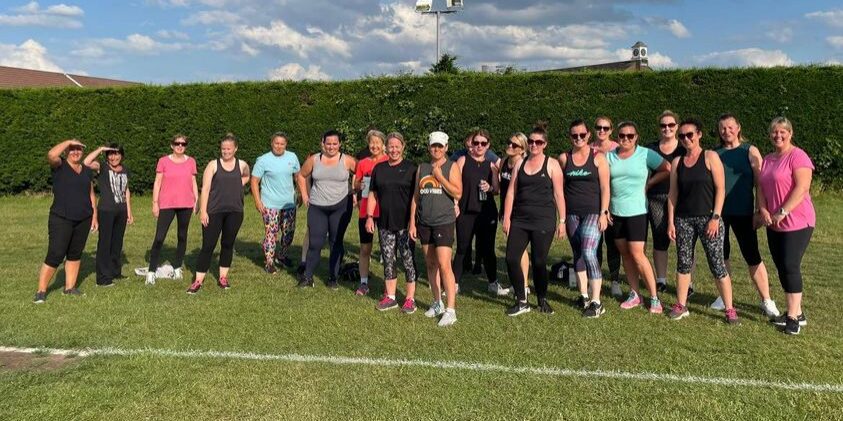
[(302, 176), (672, 196), (156, 191), (255, 188), (510, 197), (558, 194), (452, 184), (54, 154), (719, 178), (605, 189), (661, 173), (95, 218), (207, 176), (413, 207), (90, 160), (755, 162), (245, 173), (130, 219)]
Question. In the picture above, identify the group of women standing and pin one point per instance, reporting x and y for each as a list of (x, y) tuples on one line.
[(599, 191)]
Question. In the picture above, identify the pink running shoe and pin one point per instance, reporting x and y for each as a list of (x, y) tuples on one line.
[(409, 306), (655, 306), (363, 289), (223, 283), (634, 300)]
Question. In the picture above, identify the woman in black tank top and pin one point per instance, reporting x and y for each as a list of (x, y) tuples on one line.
[(586, 189), (516, 149), (221, 210), (697, 193), (533, 203)]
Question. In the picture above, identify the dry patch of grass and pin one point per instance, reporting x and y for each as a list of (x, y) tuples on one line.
[(26, 361)]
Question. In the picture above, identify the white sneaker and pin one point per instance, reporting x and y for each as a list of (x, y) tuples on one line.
[(435, 310), (496, 289), (448, 318), (177, 274), (718, 304), (150, 278), (526, 291), (769, 308), (616, 289)]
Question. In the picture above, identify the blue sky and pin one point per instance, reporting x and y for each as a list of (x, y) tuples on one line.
[(166, 41)]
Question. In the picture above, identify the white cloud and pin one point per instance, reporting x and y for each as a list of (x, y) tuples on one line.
[(831, 17), (782, 34), (747, 57), (211, 17), (249, 50), (168, 34), (278, 34), (133, 44), (55, 16), (678, 29), (836, 41), (29, 55), (295, 71)]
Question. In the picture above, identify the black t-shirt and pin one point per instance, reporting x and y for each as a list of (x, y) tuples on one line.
[(664, 186), (395, 186), (72, 192), (112, 186)]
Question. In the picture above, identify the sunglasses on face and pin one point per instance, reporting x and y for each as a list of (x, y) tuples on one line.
[(626, 136), (478, 143), (603, 128), (536, 142), (686, 135), (74, 148), (182, 144), (514, 145), (670, 125), (575, 136), (437, 146)]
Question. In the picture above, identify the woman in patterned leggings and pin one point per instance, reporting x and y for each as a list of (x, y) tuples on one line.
[(697, 192)]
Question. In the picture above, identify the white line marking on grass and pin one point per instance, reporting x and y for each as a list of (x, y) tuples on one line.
[(454, 365)]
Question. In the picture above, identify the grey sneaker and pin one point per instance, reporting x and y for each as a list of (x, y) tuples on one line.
[(448, 318), (769, 308), (150, 278), (678, 312), (177, 274), (73, 291), (435, 310), (496, 289), (594, 310), (40, 297)]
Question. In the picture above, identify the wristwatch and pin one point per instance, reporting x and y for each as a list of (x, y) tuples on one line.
[(715, 216), (783, 212), (605, 212)]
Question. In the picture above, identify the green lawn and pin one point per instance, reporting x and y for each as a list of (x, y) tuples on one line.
[(266, 315)]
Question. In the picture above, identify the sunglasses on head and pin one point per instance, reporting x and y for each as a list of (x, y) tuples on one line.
[(626, 136), (686, 135), (576, 136), (664, 126), (537, 142), (478, 143), (182, 144), (603, 128)]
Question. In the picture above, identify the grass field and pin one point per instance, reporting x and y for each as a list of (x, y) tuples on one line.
[(624, 365)]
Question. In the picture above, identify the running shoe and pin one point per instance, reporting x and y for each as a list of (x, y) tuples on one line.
[(594, 310), (661, 286), (769, 308), (678, 312), (363, 289), (40, 297), (194, 287), (223, 282), (616, 289), (544, 307), (73, 291), (496, 289), (582, 302), (435, 310), (732, 316), (409, 306), (632, 301), (150, 278), (792, 326), (106, 284), (332, 283), (305, 282), (519, 308), (270, 269), (655, 306), (718, 304), (782, 320), (283, 261), (178, 274), (386, 303), (448, 318), (300, 269)]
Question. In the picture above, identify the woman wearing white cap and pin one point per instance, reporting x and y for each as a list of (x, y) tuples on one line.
[(432, 220)]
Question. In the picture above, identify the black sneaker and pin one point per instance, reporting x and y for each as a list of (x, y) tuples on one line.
[(305, 282), (73, 291), (544, 307), (594, 310), (285, 261), (782, 320), (582, 302), (40, 297), (106, 284), (662, 287), (332, 283), (300, 269), (791, 326), (520, 307), (270, 269)]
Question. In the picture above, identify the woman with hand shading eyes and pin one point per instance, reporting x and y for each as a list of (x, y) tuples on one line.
[(73, 215), (174, 196)]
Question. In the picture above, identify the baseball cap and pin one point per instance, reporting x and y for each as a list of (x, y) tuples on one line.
[(438, 138)]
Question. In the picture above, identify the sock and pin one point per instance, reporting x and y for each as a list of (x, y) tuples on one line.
[(585, 296), (391, 297), (661, 280), (364, 279), (596, 301), (452, 311)]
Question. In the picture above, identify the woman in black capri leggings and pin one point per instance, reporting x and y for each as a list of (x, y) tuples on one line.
[(72, 216)]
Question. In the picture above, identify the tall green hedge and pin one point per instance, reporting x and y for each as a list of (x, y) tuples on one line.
[(144, 118)]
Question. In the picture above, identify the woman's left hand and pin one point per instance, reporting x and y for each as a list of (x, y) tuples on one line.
[(131, 219), (711, 228), (777, 219), (370, 225), (95, 224), (603, 222), (204, 218), (560, 231)]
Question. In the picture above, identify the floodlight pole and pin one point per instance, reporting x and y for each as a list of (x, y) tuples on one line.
[(438, 13)]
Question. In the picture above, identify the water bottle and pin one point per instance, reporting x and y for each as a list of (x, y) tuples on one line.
[(481, 194)]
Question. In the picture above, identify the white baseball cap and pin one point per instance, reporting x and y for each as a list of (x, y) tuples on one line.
[(438, 138)]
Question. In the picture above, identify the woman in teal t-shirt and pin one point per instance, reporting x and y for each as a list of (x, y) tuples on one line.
[(629, 168)]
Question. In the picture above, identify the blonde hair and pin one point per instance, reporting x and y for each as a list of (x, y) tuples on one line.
[(668, 113), (375, 133), (783, 122), (521, 138)]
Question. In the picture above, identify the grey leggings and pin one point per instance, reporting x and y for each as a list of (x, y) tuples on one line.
[(688, 229), (393, 244)]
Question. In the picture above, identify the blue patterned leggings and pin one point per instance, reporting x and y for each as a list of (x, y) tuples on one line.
[(584, 235), (688, 229), (280, 227)]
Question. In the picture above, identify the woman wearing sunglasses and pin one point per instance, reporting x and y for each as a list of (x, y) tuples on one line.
[(174, 196), (604, 144), (586, 188), (669, 148), (533, 203), (478, 213), (516, 150), (630, 167), (693, 211)]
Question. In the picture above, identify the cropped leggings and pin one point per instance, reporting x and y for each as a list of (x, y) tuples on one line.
[(280, 227), (688, 229), (66, 239), (225, 224), (483, 225), (165, 218), (584, 235), (540, 241), (393, 245), (746, 235), (331, 221), (787, 249), (657, 215)]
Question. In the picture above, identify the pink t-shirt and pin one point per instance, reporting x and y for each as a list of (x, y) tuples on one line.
[(363, 173), (176, 183), (777, 181)]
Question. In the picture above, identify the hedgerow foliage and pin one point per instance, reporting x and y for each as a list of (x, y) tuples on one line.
[(143, 119)]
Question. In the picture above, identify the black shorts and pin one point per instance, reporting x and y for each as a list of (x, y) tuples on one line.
[(365, 236), (630, 228), (439, 236), (66, 239)]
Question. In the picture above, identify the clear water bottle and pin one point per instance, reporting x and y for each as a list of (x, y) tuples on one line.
[(480, 193)]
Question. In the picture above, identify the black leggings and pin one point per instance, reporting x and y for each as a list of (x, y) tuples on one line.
[(746, 236), (227, 224), (613, 256), (657, 215), (66, 239), (516, 243), (165, 218), (331, 221), (787, 249), (110, 244), (484, 226)]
